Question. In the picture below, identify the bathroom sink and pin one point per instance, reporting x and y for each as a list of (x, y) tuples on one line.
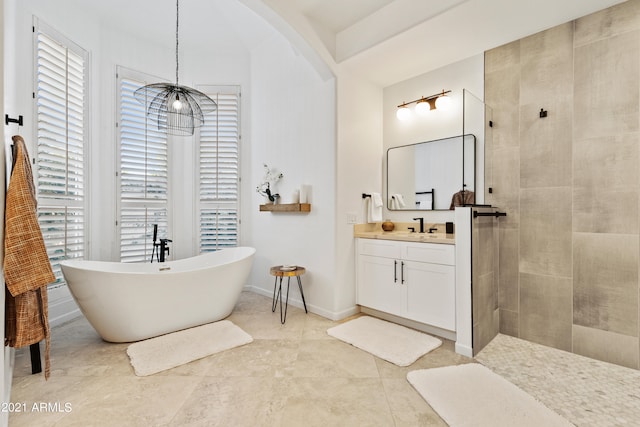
[(418, 237), (407, 236)]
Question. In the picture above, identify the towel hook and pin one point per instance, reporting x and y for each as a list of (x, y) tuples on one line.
[(8, 120)]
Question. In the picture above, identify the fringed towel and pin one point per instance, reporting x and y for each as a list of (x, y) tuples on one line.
[(27, 269)]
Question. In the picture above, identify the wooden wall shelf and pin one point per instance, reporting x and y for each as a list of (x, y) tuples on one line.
[(286, 207)]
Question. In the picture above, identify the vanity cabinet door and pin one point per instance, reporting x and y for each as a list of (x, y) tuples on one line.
[(379, 283), (430, 294), (411, 280)]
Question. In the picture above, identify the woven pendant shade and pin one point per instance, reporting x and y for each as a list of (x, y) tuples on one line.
[(160, 99), (176, 109)]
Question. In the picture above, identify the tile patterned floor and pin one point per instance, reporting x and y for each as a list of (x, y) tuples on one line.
[(295, 374), (291, 375), (585, 391)]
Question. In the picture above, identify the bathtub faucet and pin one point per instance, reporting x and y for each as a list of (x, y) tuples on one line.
[(164, 248), (159, 249)]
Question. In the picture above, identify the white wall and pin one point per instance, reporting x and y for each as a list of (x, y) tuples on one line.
[(467, 74), (6, 356), (292, 130), (359, 170)]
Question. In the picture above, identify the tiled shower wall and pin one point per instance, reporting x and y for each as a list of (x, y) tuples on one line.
[(484, 267), (569, 182)]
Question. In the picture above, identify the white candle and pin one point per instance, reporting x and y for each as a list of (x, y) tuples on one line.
[(304, 194), (295, 196)]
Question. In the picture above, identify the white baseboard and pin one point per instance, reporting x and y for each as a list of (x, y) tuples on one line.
[(331, 315), (63, 310), (464, 350)]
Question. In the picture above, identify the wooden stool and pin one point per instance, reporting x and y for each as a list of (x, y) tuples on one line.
[(288, 273)]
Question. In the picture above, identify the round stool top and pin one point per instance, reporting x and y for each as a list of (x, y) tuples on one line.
[(279, 272)]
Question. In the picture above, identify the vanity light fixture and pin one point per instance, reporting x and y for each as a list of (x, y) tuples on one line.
[(443, 101), (176, 109), (403, 112), (424, 105)]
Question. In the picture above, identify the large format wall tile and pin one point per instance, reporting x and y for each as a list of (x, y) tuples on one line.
[(483, 246), (605, 184), (509, 323), (545, 144), (545, 231), (545, 310), (547, 83), (506, 185), (607, 81), (503, 101), (508, 280), (505, 56), (605, 282), (612, 21), (604, 345), (546, 61)]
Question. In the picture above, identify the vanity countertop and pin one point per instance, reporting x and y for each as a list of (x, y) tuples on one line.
[(374, 231)]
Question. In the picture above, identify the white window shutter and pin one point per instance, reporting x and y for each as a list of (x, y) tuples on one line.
[(143, 173), (61, 111), (219, 167)]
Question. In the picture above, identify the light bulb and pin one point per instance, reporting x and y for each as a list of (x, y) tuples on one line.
[(177, 104), (423, 107), (403, 113), (443, 102)]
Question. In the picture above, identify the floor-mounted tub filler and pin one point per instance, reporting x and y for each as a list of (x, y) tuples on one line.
[(131, 302)]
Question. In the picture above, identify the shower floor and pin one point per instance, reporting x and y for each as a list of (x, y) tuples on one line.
[(585, 391)]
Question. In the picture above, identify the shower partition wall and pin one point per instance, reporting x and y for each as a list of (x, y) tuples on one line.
[(480, 230)]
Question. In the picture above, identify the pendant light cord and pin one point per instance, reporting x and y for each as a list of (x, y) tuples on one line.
[(177, 26)]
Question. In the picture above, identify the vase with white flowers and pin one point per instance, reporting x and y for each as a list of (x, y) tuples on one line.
[(266, 187)]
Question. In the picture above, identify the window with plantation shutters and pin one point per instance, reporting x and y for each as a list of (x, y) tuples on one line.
[(218, 167), (61, 116), (143, 173)]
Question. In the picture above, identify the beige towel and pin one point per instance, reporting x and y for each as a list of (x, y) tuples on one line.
[(27, 269)]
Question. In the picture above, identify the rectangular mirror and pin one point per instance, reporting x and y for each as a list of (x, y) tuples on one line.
[(426, 175)]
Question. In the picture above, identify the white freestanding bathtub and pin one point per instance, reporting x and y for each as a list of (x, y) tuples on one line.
[(131, 302)]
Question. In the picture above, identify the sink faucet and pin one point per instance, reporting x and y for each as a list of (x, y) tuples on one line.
[(421, 223), (432, 229)]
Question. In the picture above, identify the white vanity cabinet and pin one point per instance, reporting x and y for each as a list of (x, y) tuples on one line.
[(408, 279)]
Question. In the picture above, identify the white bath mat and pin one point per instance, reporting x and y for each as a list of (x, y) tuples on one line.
[(393, 343), (472, 395), (157, 354)]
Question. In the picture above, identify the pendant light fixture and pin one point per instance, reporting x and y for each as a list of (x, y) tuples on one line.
[(176, 109)]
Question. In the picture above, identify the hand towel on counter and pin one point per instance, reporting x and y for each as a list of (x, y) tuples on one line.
[(375, 208), (27, 269)]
